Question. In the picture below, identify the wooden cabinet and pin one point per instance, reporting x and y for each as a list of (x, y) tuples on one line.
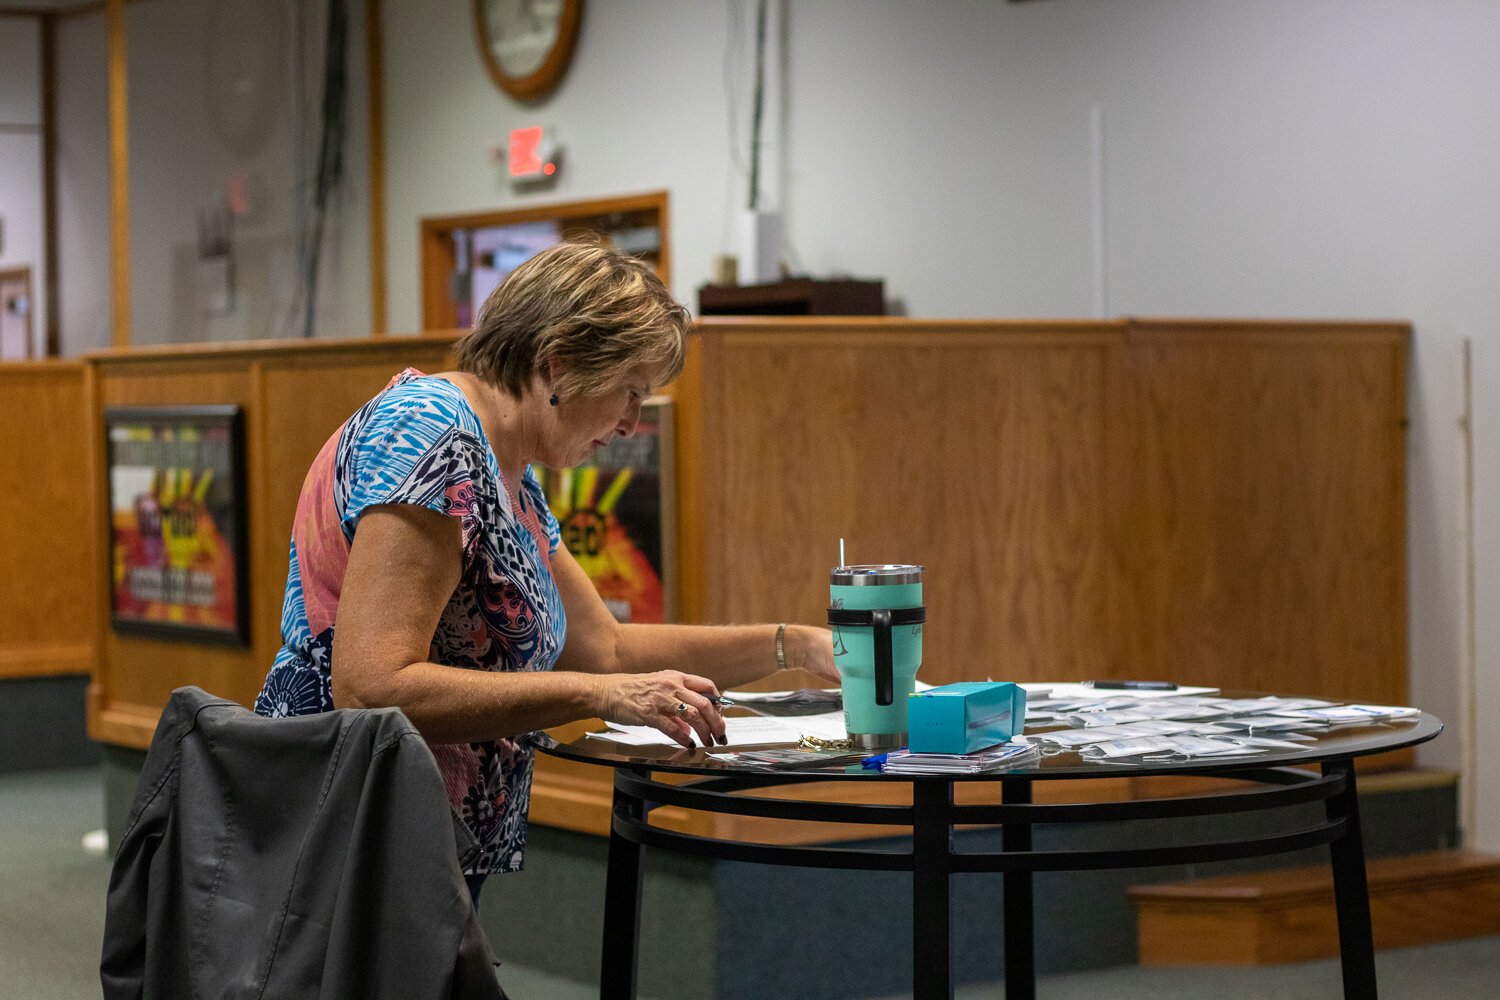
[(794, 297)]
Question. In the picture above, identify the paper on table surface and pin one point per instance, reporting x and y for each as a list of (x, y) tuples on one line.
[(752, 697), (1267, 723), (635, 736), (1084, 737), (1085, 691), (740, 731)]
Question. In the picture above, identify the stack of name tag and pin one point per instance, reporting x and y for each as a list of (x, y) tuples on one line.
[(1125, 729), (1002, 757)]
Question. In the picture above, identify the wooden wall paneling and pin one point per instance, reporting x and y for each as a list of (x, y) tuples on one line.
[(1121, 607), (1214, 501), (977, 452), (1267, 507), (47, 600), (687, 430), (97, 574)]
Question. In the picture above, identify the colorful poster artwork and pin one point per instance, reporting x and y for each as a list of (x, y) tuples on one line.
[(613, 515), (176, 565)]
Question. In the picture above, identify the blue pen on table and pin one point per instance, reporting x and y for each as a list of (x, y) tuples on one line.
[(876, 761)]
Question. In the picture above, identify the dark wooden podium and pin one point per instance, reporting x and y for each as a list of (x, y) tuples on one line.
[(794, 297)]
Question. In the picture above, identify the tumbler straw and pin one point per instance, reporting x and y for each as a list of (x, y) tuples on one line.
[(841, 552)]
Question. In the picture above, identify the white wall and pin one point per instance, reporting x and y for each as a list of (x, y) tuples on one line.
[(21, 162), (1307, 158), (214, 92), (187, 136)]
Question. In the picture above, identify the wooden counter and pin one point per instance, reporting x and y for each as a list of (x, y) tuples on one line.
[(1214, 501), (48, 606)]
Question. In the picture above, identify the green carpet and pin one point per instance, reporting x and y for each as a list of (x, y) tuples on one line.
[(51, 893)]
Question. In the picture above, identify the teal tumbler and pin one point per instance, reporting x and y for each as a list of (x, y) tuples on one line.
[(876, 613)]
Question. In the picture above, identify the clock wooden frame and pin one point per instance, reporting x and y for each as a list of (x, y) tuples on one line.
[(541, 81)]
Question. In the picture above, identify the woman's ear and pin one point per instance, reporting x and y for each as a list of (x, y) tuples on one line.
[(548, 373)]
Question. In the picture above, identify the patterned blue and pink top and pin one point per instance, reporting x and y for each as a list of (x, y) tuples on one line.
[(420, 442)]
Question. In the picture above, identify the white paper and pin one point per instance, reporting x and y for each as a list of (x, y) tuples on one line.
[(1359, 713), (1088, 720), (1081, 737), (1087, 691), (634, 738), (1270, 744), (751, 730), (1162, 727), (1268, 723), (1128, 748), (1195, 746)]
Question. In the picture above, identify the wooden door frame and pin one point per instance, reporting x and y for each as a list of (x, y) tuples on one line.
[(435, 240), (24, 274)]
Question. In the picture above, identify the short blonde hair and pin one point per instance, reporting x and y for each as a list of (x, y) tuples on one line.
[(588, 309)]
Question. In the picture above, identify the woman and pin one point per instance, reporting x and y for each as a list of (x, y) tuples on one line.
[(425, 566)]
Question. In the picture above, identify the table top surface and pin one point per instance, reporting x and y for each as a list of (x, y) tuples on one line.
[(1331, 744)]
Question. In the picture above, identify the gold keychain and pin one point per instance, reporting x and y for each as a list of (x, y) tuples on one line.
[(817, 743)]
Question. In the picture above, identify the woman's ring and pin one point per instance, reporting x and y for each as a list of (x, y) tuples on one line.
[(682, 708)]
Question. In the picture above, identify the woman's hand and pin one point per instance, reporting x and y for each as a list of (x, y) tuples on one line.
[(811, 649), (674, 702)]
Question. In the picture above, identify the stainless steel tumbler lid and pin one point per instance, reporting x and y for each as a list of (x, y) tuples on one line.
[(872, 575)]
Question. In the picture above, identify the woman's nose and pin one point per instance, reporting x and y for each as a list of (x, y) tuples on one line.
[(628, 423)]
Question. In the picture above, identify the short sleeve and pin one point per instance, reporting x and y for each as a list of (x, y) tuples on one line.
[(532, 491), (412, 445)]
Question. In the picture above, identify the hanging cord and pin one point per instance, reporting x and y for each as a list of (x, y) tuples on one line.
[(330, 168), (759, 106)]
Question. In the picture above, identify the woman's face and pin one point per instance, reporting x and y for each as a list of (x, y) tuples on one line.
[(587, 423)]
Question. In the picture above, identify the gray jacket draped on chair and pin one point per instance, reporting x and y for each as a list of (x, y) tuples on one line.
[(290, 858)]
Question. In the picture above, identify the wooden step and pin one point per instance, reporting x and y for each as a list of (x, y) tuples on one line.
[(1265, 918)]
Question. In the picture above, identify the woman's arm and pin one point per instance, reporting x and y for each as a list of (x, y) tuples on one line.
[(403, 567), (730, 655)]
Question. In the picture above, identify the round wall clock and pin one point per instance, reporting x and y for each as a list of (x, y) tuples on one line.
[(526, 44)]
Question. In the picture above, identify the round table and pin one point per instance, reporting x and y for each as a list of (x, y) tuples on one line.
[(717, 786)]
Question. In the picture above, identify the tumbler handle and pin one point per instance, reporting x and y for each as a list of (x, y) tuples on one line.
[(884, 681)]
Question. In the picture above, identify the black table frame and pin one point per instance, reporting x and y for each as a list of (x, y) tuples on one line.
[(932, 858), (1276, 781)]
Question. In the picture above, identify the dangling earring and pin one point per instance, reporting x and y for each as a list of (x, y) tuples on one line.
[(553, 400)]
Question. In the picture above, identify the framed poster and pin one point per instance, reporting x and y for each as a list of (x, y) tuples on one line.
[(618, 518), (177, 523)]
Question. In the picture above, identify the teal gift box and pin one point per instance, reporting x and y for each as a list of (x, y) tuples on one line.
[(964, 717)]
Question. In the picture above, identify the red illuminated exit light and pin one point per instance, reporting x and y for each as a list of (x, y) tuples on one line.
[(528, 158)]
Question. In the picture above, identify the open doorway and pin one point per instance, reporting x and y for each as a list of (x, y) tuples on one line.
[(15, 314), (465, 256)]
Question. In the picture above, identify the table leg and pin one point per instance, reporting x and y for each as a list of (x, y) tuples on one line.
[(932, 904), (1351, 891), (622, 907), (1020, 943)]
